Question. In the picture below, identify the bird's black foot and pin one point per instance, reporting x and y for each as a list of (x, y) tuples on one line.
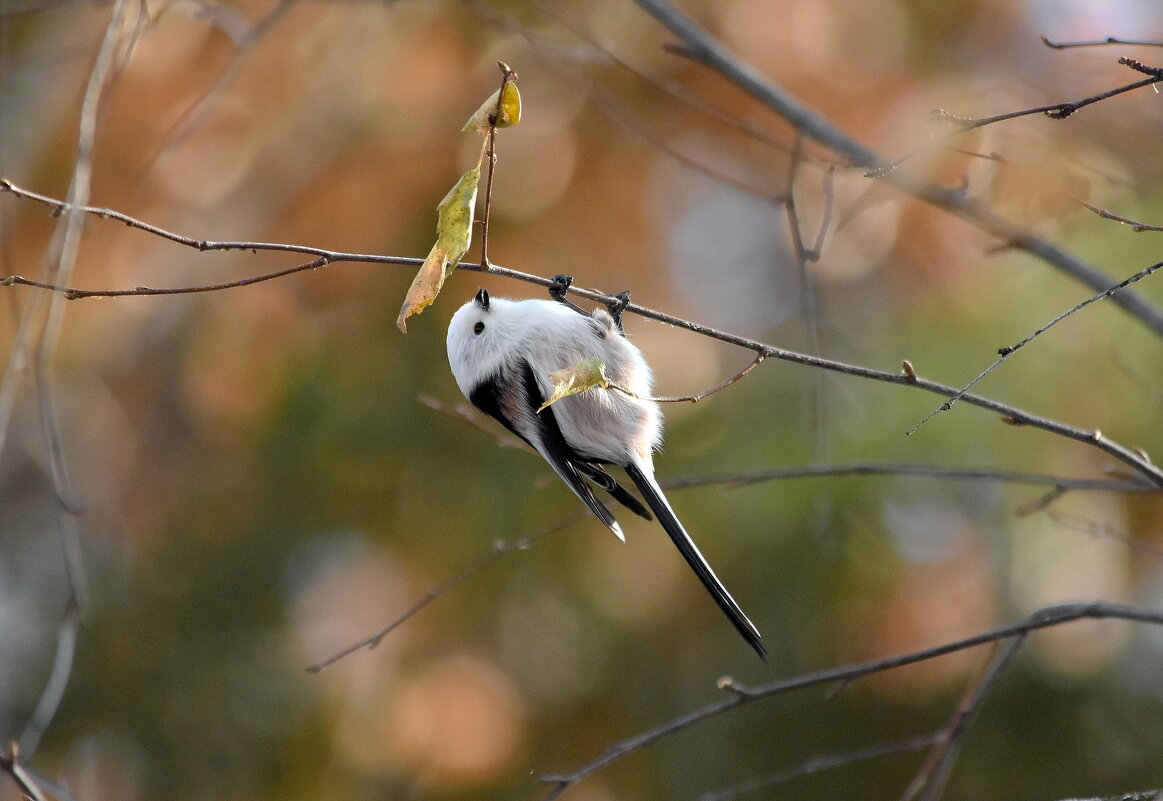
[(561, 284), (616, 309)]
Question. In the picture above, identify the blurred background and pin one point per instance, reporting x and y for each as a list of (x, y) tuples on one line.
[(265, 475)]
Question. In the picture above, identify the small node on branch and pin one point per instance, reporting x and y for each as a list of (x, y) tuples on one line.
[(909, 371), (1010, 420), (729, 684), (939, 115)]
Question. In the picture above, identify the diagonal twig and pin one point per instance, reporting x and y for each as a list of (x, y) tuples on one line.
[(1006, 352), (500, 549)]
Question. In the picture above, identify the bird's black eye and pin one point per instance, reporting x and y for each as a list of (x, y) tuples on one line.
[(476, 329)]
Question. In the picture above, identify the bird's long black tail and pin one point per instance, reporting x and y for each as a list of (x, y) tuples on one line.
[(686, 546)]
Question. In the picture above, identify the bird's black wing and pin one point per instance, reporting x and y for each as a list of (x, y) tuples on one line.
[(690, 552), (599, 476), (514, 403)]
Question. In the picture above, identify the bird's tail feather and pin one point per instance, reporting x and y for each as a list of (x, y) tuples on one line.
[(686, 546)]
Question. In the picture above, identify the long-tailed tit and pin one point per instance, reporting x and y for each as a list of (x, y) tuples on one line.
[(502, 352)]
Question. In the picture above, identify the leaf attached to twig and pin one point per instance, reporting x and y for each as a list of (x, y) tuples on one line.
[(453, 236), (586, 374), (509, 111)]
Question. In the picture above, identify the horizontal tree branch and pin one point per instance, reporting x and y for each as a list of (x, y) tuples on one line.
[(1136, 459), (741, 695)]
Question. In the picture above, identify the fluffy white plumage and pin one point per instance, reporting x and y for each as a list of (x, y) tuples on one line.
[(502, 351)]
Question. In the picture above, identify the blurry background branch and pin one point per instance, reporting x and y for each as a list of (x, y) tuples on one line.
[(699, 46)]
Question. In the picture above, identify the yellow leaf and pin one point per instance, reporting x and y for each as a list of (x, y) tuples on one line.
[(510, 110), (586, 374), (453, 236)]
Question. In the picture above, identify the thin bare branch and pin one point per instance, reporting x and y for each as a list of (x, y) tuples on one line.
[(823, 763), (507, 76), (1057, 111), (740, 695), (1135, 225), (945, 750), (500, 549), (759, 357), (1006, 352)]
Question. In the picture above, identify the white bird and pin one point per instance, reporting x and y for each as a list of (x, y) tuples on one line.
[(502, 351)]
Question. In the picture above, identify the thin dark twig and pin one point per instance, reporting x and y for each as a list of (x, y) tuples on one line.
[(945, 750), (741, 695), (1006, 352), (823, 763), (71, 293), (1135, 225), (759, 357), (1055, 111), (1134, 458), (60, 207), (500, 549), (507, 76)]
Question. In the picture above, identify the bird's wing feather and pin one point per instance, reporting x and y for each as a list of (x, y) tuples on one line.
[(599, 476), (514, 403), (686, 546)]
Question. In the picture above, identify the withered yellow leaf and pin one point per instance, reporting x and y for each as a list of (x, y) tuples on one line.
[(510, 112), (586, 374), (454, 220)]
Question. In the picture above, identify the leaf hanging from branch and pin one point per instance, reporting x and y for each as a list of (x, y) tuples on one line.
[(453, 236)]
